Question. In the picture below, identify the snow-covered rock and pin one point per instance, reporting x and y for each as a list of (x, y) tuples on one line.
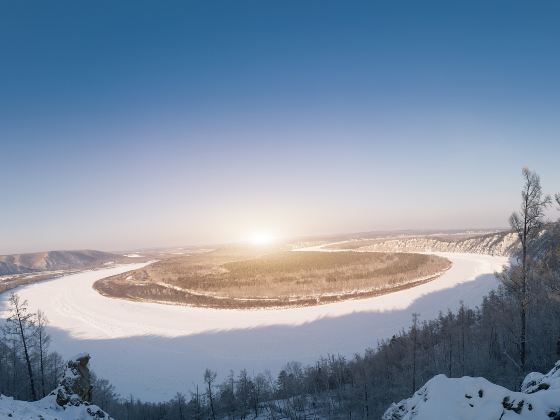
[(469, 398), (536, 381), (75, 387), (70, 400)]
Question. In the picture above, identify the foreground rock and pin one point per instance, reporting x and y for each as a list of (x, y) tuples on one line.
[(70, 400), (476, 398)]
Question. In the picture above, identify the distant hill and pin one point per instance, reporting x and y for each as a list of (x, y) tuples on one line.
[(54, 261), (503, 243)]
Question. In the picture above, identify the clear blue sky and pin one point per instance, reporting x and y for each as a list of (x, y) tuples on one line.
[(141, 123)]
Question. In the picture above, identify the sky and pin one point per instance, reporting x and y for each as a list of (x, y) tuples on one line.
[(138, 124)]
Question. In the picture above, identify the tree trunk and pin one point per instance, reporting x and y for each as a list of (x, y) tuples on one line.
[(366, 400), (42, 364), (27, 359), (211, 401), (523, 335)]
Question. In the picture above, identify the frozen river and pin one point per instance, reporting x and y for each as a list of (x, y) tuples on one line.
[(153, 351)]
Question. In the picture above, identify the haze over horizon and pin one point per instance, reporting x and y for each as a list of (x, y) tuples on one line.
[(141, 124)]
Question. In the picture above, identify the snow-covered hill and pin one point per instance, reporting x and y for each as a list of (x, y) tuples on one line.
[(498, 243), (54, 260), (477, 398)]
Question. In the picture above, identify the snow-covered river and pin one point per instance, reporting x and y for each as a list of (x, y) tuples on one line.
[(153, 351)]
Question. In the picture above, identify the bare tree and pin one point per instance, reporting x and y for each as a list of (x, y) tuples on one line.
[(197, 404), (20, 324), (104, 393), (209, 378), (43, 340), (258, 391), (414, 334), (526, 224), (244, 393), (461, 319), (181, 403)]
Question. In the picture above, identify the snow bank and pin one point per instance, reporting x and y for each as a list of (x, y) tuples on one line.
[(536, 381), (469, 398), (47, 409)]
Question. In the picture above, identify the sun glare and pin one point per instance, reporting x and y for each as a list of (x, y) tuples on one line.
[(260, 238)]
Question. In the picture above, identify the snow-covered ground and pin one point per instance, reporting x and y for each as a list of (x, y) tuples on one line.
[(65, 402), (44, 409), (153, 351), (469, 398)]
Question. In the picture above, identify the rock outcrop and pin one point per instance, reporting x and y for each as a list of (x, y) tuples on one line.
[(75, 387), (477, 398), (536, 381)]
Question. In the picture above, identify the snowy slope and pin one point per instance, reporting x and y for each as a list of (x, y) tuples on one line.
[(46, 409), (478, 399), (124, 334), (64, 402)]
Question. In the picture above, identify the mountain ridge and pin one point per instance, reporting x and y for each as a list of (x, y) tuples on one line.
[(54, 260), (504, 243)]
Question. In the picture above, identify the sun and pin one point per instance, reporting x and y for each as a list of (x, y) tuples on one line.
[(260, 238)]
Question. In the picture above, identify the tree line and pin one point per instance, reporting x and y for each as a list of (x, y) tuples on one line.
[(515, 330), (28, 370)]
